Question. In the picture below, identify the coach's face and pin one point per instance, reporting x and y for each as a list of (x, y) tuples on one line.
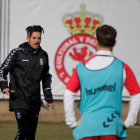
[(35, 40)]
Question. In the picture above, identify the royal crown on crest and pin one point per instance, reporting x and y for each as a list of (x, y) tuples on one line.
[(82, 22)]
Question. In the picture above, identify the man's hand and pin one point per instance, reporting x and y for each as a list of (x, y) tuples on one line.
[(50, 104), (7, 90)]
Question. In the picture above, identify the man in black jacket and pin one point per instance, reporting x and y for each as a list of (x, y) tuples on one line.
[(28, 65)]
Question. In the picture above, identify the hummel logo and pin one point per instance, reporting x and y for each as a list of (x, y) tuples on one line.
[(110, 119), (24, 60)]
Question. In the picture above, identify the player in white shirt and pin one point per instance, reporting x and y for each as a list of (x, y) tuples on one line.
[(103, 58)]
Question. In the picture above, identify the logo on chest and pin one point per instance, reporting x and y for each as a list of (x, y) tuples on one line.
[(25, 60), (110, 88), (41, 61)]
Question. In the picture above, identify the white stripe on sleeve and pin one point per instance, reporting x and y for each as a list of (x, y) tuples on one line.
[(134, 108), (69, 108)]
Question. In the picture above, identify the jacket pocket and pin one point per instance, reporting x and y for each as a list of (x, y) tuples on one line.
[(13, 94)]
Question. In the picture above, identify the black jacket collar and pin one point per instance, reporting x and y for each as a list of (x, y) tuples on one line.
[(28, 49)]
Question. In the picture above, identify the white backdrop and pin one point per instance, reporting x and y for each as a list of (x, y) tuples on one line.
[(121, 14)]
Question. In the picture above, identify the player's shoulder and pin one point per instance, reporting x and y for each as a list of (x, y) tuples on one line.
[(115, 58), (16, 50), (43, 52), (87, 60), (22, 46), (83, 63), (126, 67)]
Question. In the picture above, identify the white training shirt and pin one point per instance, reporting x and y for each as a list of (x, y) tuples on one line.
[(100, 61)]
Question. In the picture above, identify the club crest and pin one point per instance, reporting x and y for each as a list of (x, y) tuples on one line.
[(80, 46), (41, 61)]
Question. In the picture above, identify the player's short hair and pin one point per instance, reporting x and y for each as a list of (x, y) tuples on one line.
[(106, 36), (34, 28)]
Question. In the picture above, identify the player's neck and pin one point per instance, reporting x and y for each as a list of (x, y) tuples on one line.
[(104, 48)]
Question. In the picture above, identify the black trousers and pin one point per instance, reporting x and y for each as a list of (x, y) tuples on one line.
[(27, 123)]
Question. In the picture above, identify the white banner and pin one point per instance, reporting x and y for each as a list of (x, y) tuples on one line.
[(69, 32)]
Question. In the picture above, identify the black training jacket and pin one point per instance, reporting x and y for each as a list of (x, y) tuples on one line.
[(27, 68)]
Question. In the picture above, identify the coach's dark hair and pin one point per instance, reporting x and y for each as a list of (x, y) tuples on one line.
[(34, 28), (106, 36)]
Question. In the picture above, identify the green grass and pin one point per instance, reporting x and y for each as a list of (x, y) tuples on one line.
[(52, 131)]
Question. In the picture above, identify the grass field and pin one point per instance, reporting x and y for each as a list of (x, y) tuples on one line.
[(52, 131)]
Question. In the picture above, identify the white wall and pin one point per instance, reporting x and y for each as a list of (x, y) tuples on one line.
[(121, 14)]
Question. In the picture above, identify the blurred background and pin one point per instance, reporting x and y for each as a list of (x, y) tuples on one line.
[(69, 36)]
